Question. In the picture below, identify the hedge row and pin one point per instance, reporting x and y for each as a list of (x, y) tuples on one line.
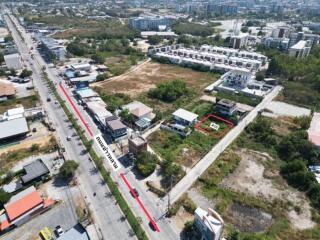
[(136, 226)]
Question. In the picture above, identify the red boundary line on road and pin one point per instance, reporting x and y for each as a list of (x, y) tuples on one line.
[(152, 222), (75, 109)]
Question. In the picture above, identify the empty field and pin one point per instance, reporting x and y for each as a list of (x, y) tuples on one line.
[(152, 73)]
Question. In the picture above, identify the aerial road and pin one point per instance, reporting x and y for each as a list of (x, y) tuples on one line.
[(109, 219)]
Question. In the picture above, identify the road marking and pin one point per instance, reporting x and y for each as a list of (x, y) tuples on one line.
[(75, 109), (152, 222), (113, 161)]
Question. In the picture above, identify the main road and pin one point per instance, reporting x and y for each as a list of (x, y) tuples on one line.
[(149, 201), (109, 219)]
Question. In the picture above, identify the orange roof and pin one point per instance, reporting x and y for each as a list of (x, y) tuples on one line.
[(4, 225), (23, 205), (48, 202)]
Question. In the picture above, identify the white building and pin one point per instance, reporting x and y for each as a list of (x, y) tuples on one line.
[(211, 57), (300, 49), (209, 223), (13, 61), (239, 41), (242, 81), (185, 117)]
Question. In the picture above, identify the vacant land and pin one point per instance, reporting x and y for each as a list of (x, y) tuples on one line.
[(245, 183), (26, 102), (152, 73), (186, 151)]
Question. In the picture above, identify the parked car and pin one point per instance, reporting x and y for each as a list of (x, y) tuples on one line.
[(48, 99), (134, 193), (59, 231)]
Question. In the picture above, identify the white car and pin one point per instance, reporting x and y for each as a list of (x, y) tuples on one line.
[(59, 230)]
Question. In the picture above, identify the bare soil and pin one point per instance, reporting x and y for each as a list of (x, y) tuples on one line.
[(151, 73), (251, 178)]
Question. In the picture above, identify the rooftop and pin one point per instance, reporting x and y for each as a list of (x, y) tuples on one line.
[(299, 45), (77, 232), (13, 127), (115, 124), (227, 103), (12, 56), (137, 109), (34, 170), (22, 203), (186, 115), (87, 93)]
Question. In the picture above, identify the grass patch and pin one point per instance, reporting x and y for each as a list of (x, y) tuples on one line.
[(7, 160), (241, 98), (181, 150), (26, 102)]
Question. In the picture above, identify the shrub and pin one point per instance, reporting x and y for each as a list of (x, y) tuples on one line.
[(68, 169), (146, 163), (169, 91)]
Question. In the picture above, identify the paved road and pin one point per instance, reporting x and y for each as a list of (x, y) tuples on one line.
[(167, 230), (187, 181), (107, 215)]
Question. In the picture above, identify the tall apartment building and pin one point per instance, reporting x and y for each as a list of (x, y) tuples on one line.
[(150, 23), (300, 49), (297, 37), (222, 8)]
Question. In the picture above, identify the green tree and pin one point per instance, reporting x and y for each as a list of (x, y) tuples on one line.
[(146, 163), (101, 77), (25, 73), (34, 147), (4, 197), (155, 40), (126, 116), (170, 91), (76, 48), (98, 58), (68, 169)]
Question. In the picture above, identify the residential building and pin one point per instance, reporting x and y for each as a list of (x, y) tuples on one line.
[(13, 61), (150, 23), (211, 57), (35, 171), (281, 32), (209, 224), (86, 93), (98, 111), (142, 114), (14, 128), (115, 127), (7, 90), (296, 37), (137, 144), (222, 9), (226, 107), (22, 207), (239, 41), (184, 117), (81, 67), (300, 49)]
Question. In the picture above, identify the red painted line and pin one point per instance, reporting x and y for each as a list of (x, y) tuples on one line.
[(76, 110), (152, 222)]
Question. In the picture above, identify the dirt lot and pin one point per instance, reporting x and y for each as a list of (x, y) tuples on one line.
[(151, 73), (252, 178), (41, 137)]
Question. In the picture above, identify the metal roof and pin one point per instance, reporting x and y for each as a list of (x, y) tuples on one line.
[(75, 233), (185, 115), (34, 170), (13, 127)]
